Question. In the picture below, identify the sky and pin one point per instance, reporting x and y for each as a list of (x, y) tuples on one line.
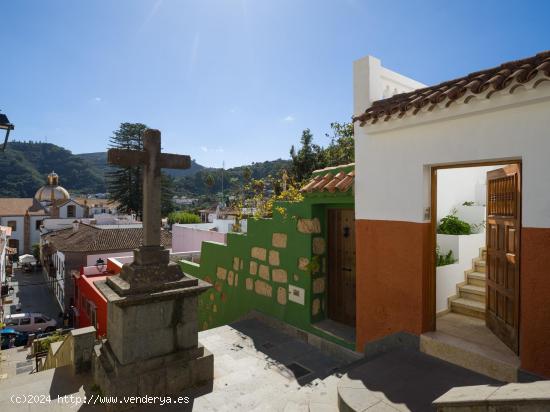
[(233, 81)]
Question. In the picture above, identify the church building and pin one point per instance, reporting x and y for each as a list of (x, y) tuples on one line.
[(51, 208)]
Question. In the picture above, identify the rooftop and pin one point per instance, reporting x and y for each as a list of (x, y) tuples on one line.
[(15, 206), (89, 238), (505, 76), (331, 179)]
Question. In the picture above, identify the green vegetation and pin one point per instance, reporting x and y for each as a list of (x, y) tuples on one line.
[(25, 165), (311, 156), (442, 260), (36, 251), (43, 344), (468, 203), (183, 217), (125, 184), (452, 225)]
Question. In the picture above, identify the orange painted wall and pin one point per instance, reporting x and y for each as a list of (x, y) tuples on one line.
[(535, 301), (393, 270)]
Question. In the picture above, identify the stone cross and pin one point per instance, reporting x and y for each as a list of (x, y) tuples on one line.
[(152, 161)]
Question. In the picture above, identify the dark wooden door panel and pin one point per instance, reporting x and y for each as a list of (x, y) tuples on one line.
[(341, 266), (503, 253)]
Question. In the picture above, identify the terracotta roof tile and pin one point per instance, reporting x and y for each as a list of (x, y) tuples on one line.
[(90, 238), (490, 80), (330, 179), (15, 206)]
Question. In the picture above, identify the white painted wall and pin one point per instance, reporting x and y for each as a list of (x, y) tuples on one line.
[(456, 186), (372, 81), (187, 238), (92, 259), (79, 210), (393, 158), (465, 248), (18, 234), (35, 233)]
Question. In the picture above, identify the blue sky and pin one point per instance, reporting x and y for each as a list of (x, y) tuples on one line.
[(233, 80)]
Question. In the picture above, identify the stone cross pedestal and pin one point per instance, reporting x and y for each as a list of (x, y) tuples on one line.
[(152, 343)]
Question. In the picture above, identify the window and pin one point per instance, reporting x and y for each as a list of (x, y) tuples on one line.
[(71, 211), (25, 321), (39, 320), (12, 322), (13, 225), (14, 243), (38, 223)]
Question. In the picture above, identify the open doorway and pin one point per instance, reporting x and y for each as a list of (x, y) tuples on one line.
[(477, 216)]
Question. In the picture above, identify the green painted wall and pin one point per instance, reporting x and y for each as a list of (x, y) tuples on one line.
[(256, 270)]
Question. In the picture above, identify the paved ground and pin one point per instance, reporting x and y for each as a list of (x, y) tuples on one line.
[(31, 291), (404, 380), (250, 374), (259, 368), (14, 362)]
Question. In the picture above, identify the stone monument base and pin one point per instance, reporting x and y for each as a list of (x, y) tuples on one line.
[(152, 346), (167, 375)]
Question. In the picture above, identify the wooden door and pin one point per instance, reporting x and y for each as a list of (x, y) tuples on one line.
[(341, 266), (503, 253)]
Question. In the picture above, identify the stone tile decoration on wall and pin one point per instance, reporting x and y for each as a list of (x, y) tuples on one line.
[(281, 263)]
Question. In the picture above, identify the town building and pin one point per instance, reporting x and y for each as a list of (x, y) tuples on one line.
[(406, 135), (297, 266), (64, 252), (52, 208)]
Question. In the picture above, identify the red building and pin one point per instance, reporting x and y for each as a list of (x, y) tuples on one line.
[(91, 305)]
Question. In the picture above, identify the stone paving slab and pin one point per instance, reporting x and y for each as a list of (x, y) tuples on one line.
[(247, 377), (403, 380)]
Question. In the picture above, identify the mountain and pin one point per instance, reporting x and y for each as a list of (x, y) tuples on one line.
[(25, 165), (194, 184), (99, 160)]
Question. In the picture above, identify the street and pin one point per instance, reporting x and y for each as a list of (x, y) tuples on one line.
[(31, 291)]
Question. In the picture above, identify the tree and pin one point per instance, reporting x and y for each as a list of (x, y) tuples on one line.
[(341, 148), (311, 157), (209, 181), (307, 159), (125, 184)]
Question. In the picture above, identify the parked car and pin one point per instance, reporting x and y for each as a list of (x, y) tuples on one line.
[(30, 322), (19, 338)]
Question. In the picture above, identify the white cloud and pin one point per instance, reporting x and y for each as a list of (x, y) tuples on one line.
[(289, 118), (219, 149), (97, 99), (204, 149)]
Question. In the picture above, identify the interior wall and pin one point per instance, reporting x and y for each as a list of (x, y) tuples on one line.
[(458, 185)]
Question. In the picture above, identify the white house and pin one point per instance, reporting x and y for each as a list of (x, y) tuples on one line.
[(498, 116)]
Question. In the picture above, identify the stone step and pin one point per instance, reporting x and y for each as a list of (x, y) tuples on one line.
[(480, 265), (470, 355), (483, 253), (472, 292), (476, 279), (468, 307)]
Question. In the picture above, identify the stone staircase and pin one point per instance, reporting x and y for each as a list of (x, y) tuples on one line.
[(470, 297)]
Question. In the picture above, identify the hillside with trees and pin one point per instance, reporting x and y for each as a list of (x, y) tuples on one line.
[(25, 165)]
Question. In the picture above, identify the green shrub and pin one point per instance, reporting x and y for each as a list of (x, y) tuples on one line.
[(43, 344), (442, 260), (183, 217), (452, 225)]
